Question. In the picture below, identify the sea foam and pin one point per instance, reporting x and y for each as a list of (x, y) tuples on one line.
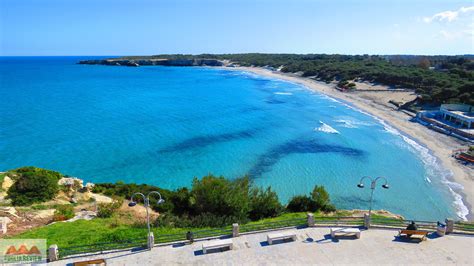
[(352, 123), (326, 128)]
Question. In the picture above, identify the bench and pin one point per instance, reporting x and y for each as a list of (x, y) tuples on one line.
[(344, 231), (99, 262), (217, 244), (410, 233), (280, 236)]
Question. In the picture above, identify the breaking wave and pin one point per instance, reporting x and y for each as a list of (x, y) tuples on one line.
[(326, 128)]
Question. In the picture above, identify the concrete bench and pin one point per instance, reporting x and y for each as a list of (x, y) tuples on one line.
[(344, 231), (280, 236), (413, 234), (217, 244)]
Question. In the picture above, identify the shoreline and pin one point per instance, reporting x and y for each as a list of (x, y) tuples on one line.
[(438, 145)]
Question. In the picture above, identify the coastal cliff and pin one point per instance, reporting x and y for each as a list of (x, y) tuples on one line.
[(154, 62)]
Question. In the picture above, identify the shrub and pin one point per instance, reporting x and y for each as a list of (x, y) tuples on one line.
[(264, 204), (301, 203), (321, 197), (200, 220), (63, 212), (318, 201), (33, 185), (180, 202), (107, 210), (169, 220), (222, 197)]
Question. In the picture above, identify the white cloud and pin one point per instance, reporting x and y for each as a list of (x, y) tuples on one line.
[(454, 35), (449, 15), (447, 35)]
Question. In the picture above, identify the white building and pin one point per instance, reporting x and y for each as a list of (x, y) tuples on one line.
[(460, 114)]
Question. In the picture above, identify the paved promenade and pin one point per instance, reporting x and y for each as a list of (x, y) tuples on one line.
[(313, 246)]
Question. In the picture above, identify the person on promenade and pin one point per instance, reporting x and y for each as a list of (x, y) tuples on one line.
[(412, 226)]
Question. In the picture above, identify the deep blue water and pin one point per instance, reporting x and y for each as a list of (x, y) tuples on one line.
[(166, 125)]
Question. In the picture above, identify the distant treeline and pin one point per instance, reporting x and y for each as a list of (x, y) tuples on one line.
[(438, 79)]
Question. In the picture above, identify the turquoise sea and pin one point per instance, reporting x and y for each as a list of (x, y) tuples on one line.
[(166, 125)]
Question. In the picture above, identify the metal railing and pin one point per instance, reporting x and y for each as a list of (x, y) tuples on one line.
[(458, 227), (384, 222), (169, 238), (224, 231), (102, 247), (401, 224), (199, 234), (338, 221), (464, 227), (254, 227)]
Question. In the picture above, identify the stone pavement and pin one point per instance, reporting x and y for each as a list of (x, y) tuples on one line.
[(313, 246)]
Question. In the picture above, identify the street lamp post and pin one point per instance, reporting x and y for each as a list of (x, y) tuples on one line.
[(146, 203), (373, 183)]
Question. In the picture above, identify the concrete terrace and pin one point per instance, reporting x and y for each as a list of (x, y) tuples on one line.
[(313, 246)]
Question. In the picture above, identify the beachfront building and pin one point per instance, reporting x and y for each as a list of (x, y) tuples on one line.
[(452, 119), (459, 114)]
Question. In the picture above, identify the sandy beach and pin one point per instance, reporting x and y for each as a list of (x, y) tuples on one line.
[(376, 103)]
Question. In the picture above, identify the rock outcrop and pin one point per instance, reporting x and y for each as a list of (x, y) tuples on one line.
[(7, 183)]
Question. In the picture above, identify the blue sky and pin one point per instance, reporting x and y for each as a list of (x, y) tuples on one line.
[(144, 27)]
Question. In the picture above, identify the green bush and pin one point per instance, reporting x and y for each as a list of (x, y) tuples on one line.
[(220, 196), (33, 185), (301, 203), (107, 210), (264, 204), (63, 212), (321, 197), (215, 201), (206, 219), (317, 201)]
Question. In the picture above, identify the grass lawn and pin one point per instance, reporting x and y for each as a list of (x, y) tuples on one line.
[(83, 232), (118, 228)]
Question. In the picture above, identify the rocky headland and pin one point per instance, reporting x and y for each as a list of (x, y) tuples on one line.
[(154, 62)]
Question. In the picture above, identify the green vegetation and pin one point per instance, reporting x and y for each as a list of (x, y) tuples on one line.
[(33, 185), (63, 212), (38, 207), (117, 228), (211, 201), (317, 201), (451, 79), (2, 176), (264, 203), (107, 210), (216, 201)]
